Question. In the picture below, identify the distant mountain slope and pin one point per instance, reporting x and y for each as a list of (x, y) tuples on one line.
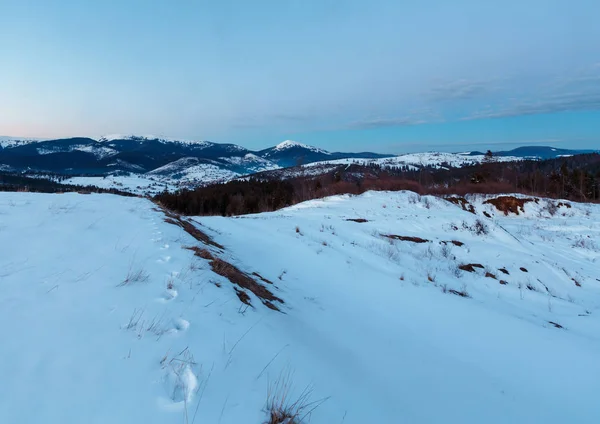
[(291, 153), (538, 152), (88, 156)]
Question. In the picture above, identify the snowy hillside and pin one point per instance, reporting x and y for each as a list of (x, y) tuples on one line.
[(393, 308), (417, 160)]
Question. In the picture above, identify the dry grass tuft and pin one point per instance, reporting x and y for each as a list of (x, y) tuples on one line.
[(282, 409)]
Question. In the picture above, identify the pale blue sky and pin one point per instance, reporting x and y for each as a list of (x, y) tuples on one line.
[(381, 75)]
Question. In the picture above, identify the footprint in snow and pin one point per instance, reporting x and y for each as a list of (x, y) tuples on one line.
[(181, 324), (168, 295)]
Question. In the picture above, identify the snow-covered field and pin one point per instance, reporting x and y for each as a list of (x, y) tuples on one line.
[(109, 319), (134, 183)]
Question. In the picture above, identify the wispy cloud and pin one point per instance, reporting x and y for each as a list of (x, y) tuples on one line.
[(386, 122), (567, 102), (461, 89)]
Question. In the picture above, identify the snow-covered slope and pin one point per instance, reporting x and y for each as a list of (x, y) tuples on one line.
[(6, 141), (110, 318), (289, 144), (415, 160)]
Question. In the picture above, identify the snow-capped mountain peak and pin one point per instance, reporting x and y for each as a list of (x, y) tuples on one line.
[(289, 144)]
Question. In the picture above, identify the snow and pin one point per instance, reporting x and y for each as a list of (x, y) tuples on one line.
[(99, 151), (133, 183), (415, 160), (288, 144), (363, 327), (113, 137), (6, 141)]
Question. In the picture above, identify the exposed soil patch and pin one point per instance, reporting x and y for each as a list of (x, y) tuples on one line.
[(233, 274), (405, 238), (486, 213), (470, 267), (577, 283), (359, 220), (509, 204), (202, 253), (224, 268), (190, 228), (490, 275), (523, 269), (504, 271), (566, 205), (462, 202), (503, 282)]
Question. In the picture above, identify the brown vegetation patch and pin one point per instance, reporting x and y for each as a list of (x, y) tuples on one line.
[(470, 267), (233, 274), (256, 274), (503, 282), (523, 269), (504, 271), (359, 220), (189, 228), (566, 205), (243, 296), (509, 204), (486, 213), (202, 253), (462, 202), (405, 238), (490, 275), (577, 283)]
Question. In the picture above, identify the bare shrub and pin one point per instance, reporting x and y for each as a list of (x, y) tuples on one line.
[(446, 251), (282, 409), (480, 228)]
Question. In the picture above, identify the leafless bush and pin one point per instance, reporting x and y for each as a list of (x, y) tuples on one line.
[(282, 409), (584, 243), (446, 251), (550, 208), (480, 228)]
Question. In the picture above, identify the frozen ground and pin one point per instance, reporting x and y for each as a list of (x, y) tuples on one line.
[(108, 319)]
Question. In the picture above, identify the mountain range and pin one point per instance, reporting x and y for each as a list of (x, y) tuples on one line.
[(162, 163), (87, 156)]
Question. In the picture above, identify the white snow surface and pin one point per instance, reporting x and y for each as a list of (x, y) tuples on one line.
[(288, 144), (113, 137), (369, 324), (6, 141), (133, 183), (415, 160)]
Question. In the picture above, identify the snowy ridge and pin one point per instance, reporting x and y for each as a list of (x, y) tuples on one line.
[(414, 160), (6, 141), (103, 292), (132, 137), (289, 144)]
